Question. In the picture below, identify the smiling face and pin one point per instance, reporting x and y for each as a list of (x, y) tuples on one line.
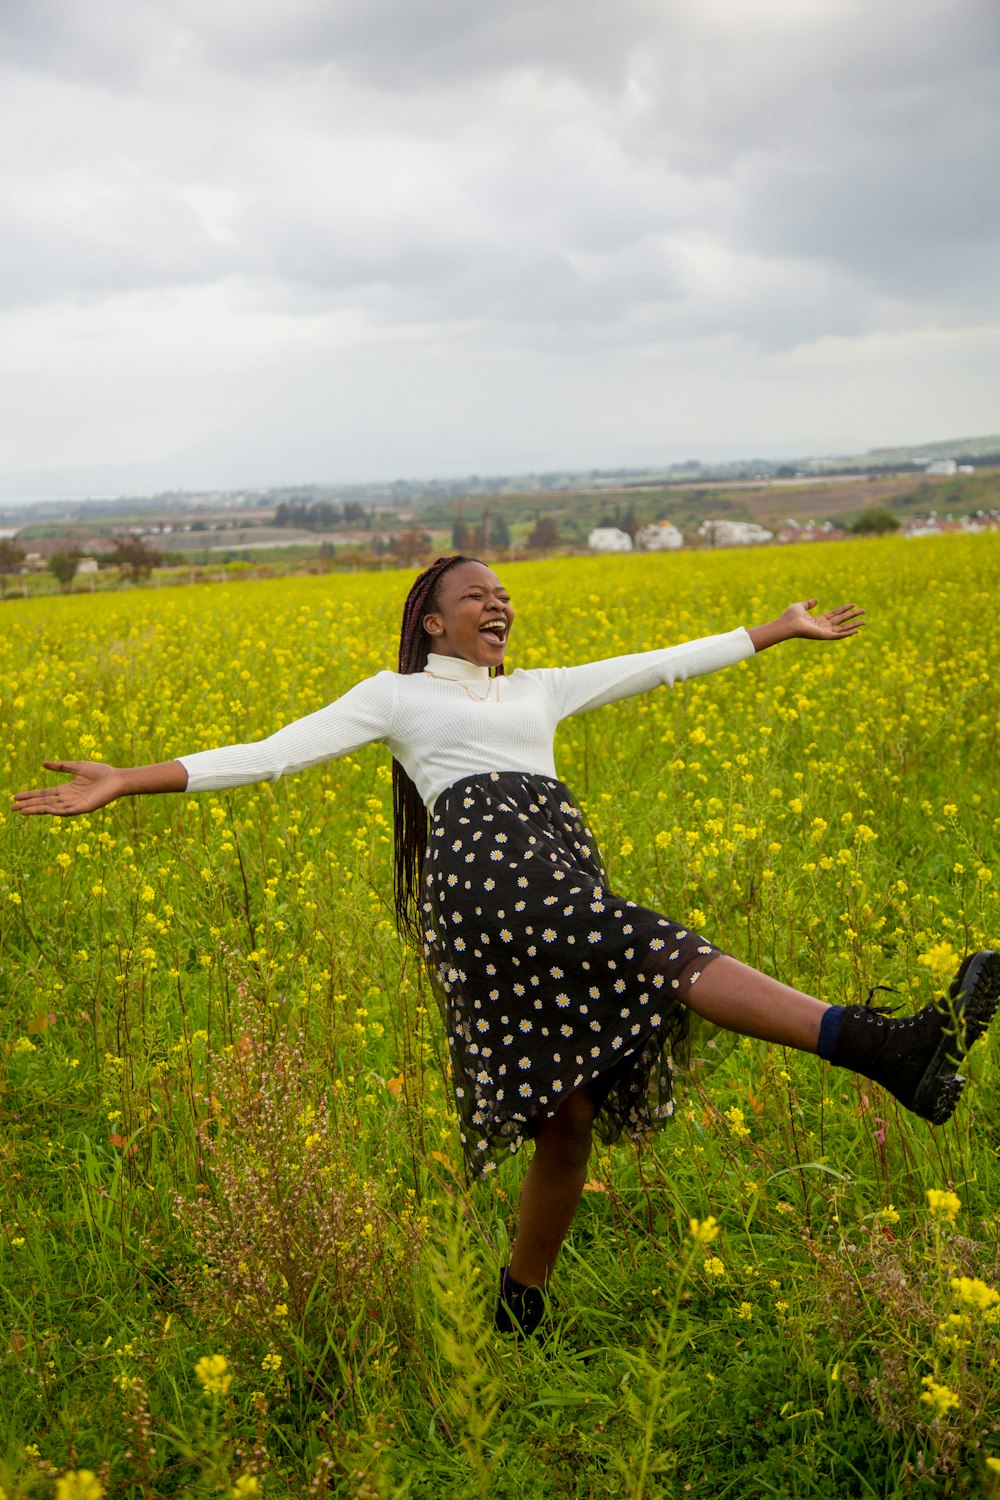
[(473, 616)]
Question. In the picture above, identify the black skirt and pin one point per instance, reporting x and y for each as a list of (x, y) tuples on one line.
[(547, 979)]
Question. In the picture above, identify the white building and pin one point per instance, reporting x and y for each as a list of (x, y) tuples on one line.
[(945, 467), (609, 539), (660, 536), (734, 533)]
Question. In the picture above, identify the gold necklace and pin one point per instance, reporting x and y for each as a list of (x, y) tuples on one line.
[(491, 683)]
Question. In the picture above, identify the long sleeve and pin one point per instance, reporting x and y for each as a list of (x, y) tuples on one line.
[(362, 716), (574, 690)]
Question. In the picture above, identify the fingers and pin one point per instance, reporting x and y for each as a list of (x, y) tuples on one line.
[(846, 619), (46, 799), (28, 804)]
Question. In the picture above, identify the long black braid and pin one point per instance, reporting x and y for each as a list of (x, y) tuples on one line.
[(409, 816)]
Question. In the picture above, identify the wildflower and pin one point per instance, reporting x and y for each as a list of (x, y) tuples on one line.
[(211, 1371), (745, 1312), (703, 1232), (245, 1486), (737, 1123), (941, 959), (79, 1484), (271, 1364), (941, 1398), (888, 1215), (943, 1205), (714, 1266), (956, 1330), (976, 1293)]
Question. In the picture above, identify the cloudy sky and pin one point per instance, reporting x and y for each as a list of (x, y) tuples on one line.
[(264, 241)]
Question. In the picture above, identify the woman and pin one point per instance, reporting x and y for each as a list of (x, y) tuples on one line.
[(562, 999)]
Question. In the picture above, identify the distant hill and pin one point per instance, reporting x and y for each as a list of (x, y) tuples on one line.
[(962, 449)]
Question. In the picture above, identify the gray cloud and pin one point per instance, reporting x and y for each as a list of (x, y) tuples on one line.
[(647, 184)]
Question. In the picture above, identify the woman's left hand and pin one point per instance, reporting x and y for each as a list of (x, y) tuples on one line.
[(835, 625), (798, 624)]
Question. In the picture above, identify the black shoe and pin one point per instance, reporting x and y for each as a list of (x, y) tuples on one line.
[(917, 1058), (520, 1308)]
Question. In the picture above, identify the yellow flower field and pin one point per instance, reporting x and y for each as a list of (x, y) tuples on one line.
[(828, 812)]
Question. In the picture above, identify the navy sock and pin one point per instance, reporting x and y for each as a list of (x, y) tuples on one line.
[(829, 1030)]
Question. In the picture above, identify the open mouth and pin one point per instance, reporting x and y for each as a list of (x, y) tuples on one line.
[(494, 631)]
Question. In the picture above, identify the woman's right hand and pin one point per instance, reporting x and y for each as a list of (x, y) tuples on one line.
[(94, 785)]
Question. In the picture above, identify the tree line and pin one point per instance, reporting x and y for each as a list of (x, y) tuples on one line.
[(134, 558)]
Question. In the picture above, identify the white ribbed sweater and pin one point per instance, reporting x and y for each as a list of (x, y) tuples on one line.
[(440, 726)]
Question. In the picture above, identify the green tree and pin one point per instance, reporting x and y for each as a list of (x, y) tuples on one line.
[(63, 566), (11, 558), (874, 521)]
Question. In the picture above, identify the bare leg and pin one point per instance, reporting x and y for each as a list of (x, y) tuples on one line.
[(733, 995), (727, 993), (552, 1188)]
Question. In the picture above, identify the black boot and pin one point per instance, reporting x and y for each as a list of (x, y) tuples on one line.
[(520, 1308), (916, 1058)]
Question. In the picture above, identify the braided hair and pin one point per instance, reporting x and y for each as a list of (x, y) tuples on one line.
[(409, 816)]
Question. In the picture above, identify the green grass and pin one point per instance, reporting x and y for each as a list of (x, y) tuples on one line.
[(224, 1123)]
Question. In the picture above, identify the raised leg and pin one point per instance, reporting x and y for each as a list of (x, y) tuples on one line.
[(734, 996), (552, 1188)]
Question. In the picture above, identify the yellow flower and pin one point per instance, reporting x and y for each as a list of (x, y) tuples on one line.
[(737, 1123), (79, 1484), (941, 959), (745, 1311), (714, 1266), (211, 1371), (975, 1292), (245, 1486), (940, 1397), (703, 1231), (943, 1205), (271, 1363)]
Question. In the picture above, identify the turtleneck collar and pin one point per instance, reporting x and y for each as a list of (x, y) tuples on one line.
[(456, 668)]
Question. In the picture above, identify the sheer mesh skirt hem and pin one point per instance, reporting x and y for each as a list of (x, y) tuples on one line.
[(547, 979)]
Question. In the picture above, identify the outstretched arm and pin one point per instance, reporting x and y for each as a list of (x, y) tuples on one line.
[(95, 785), (798, 624), (362, 716)]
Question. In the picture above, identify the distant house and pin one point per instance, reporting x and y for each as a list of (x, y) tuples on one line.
[(734, 533), (609, 539), (87, 565), (940, 526), (810, 531), (660, 536), (943, 467)]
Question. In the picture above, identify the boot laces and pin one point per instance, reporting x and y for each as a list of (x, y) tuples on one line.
[(881, 1010)]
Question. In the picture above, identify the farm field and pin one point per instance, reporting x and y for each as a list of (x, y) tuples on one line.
[(237, 1254)]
